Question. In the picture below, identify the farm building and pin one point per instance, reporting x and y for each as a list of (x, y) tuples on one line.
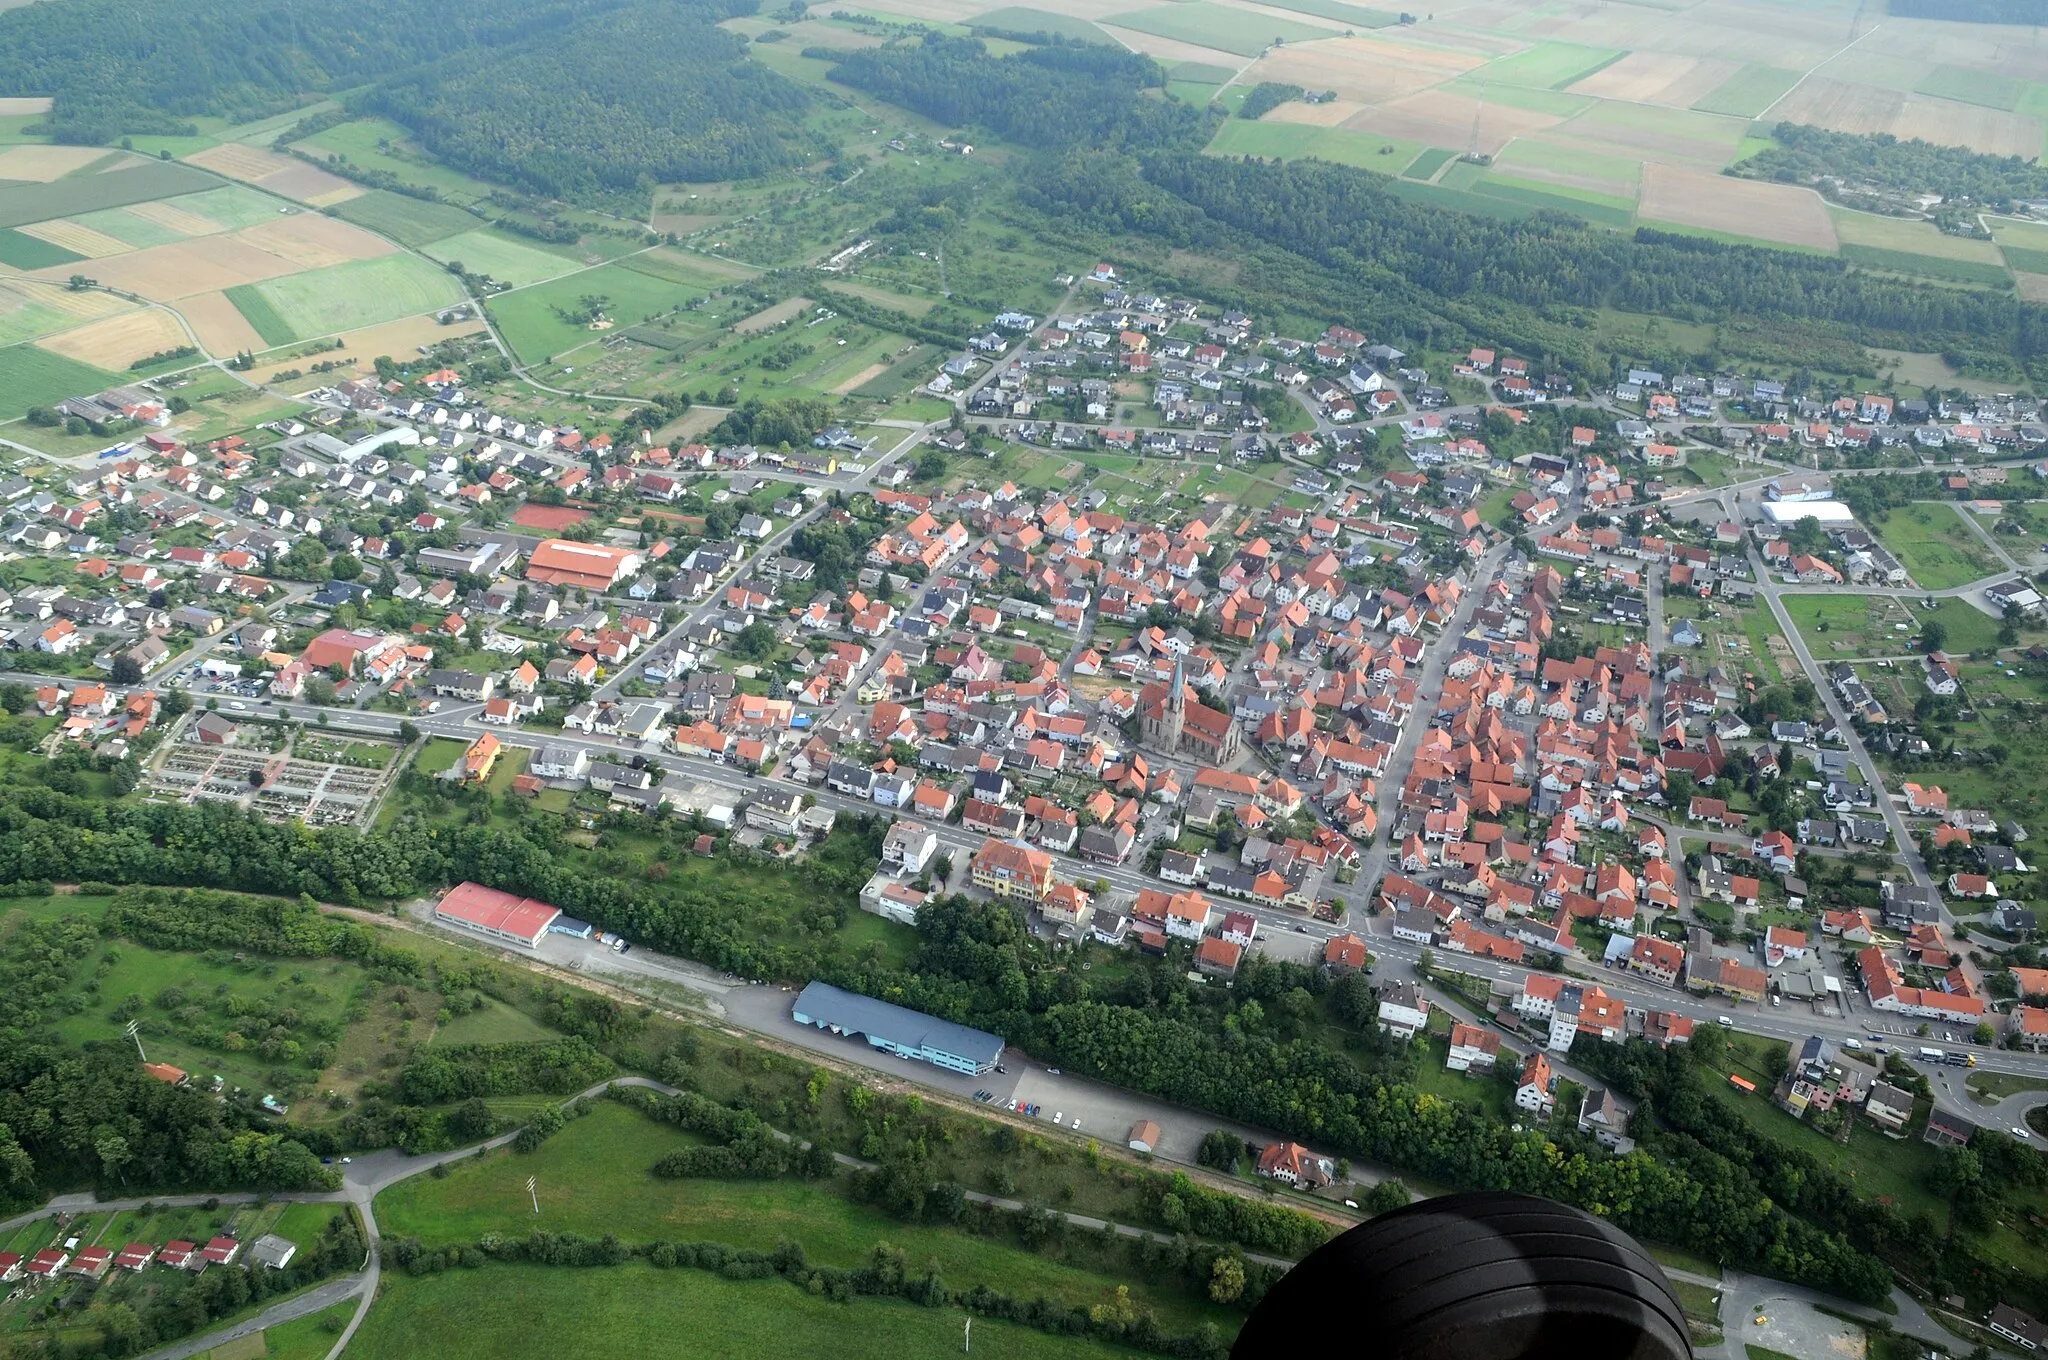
[(897, 1029), (501, 915)]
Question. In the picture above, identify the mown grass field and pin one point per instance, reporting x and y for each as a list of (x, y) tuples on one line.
[(1218, 26), (21, 203), (593, 1178), (1548, 65), (488, 252), (504, 1311), (1933, 543), (360, 293), (409, 221), (1023, 19), (1749, 91), (1293, 141), (32, 252), (531, 318), (35, 377), (257, 310)]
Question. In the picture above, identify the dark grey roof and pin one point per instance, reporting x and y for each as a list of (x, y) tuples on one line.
[(821, 1003)]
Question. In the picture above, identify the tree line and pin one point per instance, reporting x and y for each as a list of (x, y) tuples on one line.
[(1255, 1057), (1804, 154)]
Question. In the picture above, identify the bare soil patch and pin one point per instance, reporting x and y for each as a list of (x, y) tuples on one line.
[(1948, 123), (119, 341), (1170, 50), (1366, 70), (1742, 207), (1445, 118), (401, 339), (220, 327), (202, 265), (1841, 106), (1329, 113), (21, 106), (77, 238), (860, 379), (41, 164), (314, 242), (2032, 287), (247, 163), (1657, 78), (181, 220)]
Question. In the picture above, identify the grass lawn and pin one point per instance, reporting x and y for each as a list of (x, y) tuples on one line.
[(1968, 629), (496, 1023), (309, 1337), (1292, 141), (593, 1178), (438, 756), (1930, 543), (1992, 1087), (637, 1310), (1843, 626)]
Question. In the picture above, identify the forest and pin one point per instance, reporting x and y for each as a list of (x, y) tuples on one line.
[(556, 96), (616, 102), (117, 66), (1046, 98), (1805, 154)]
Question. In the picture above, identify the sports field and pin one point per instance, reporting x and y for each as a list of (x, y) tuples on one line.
[(500, 257), (34, 377), (350, 296)]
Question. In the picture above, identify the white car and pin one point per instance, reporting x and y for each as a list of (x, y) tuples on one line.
[(1058, 1118), (2022, 1131), (1077, 1122)]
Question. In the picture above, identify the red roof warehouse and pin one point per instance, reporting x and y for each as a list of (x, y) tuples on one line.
[(500, 914)]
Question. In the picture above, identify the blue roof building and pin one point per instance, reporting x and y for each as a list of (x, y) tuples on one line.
[(898, 1029)]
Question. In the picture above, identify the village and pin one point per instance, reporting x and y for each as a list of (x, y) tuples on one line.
[(1495, 695)]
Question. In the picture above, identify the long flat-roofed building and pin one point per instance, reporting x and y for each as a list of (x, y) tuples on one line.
[(501, 915), (898, 1029)]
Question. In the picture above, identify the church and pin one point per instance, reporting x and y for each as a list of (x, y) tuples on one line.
[(1170, 720)]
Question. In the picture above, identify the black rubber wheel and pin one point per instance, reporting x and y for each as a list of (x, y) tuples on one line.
[(1488, 1276)]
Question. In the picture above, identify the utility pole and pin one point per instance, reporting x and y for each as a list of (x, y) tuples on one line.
[(533, 1192), (967, 1336), (134, 1031)]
